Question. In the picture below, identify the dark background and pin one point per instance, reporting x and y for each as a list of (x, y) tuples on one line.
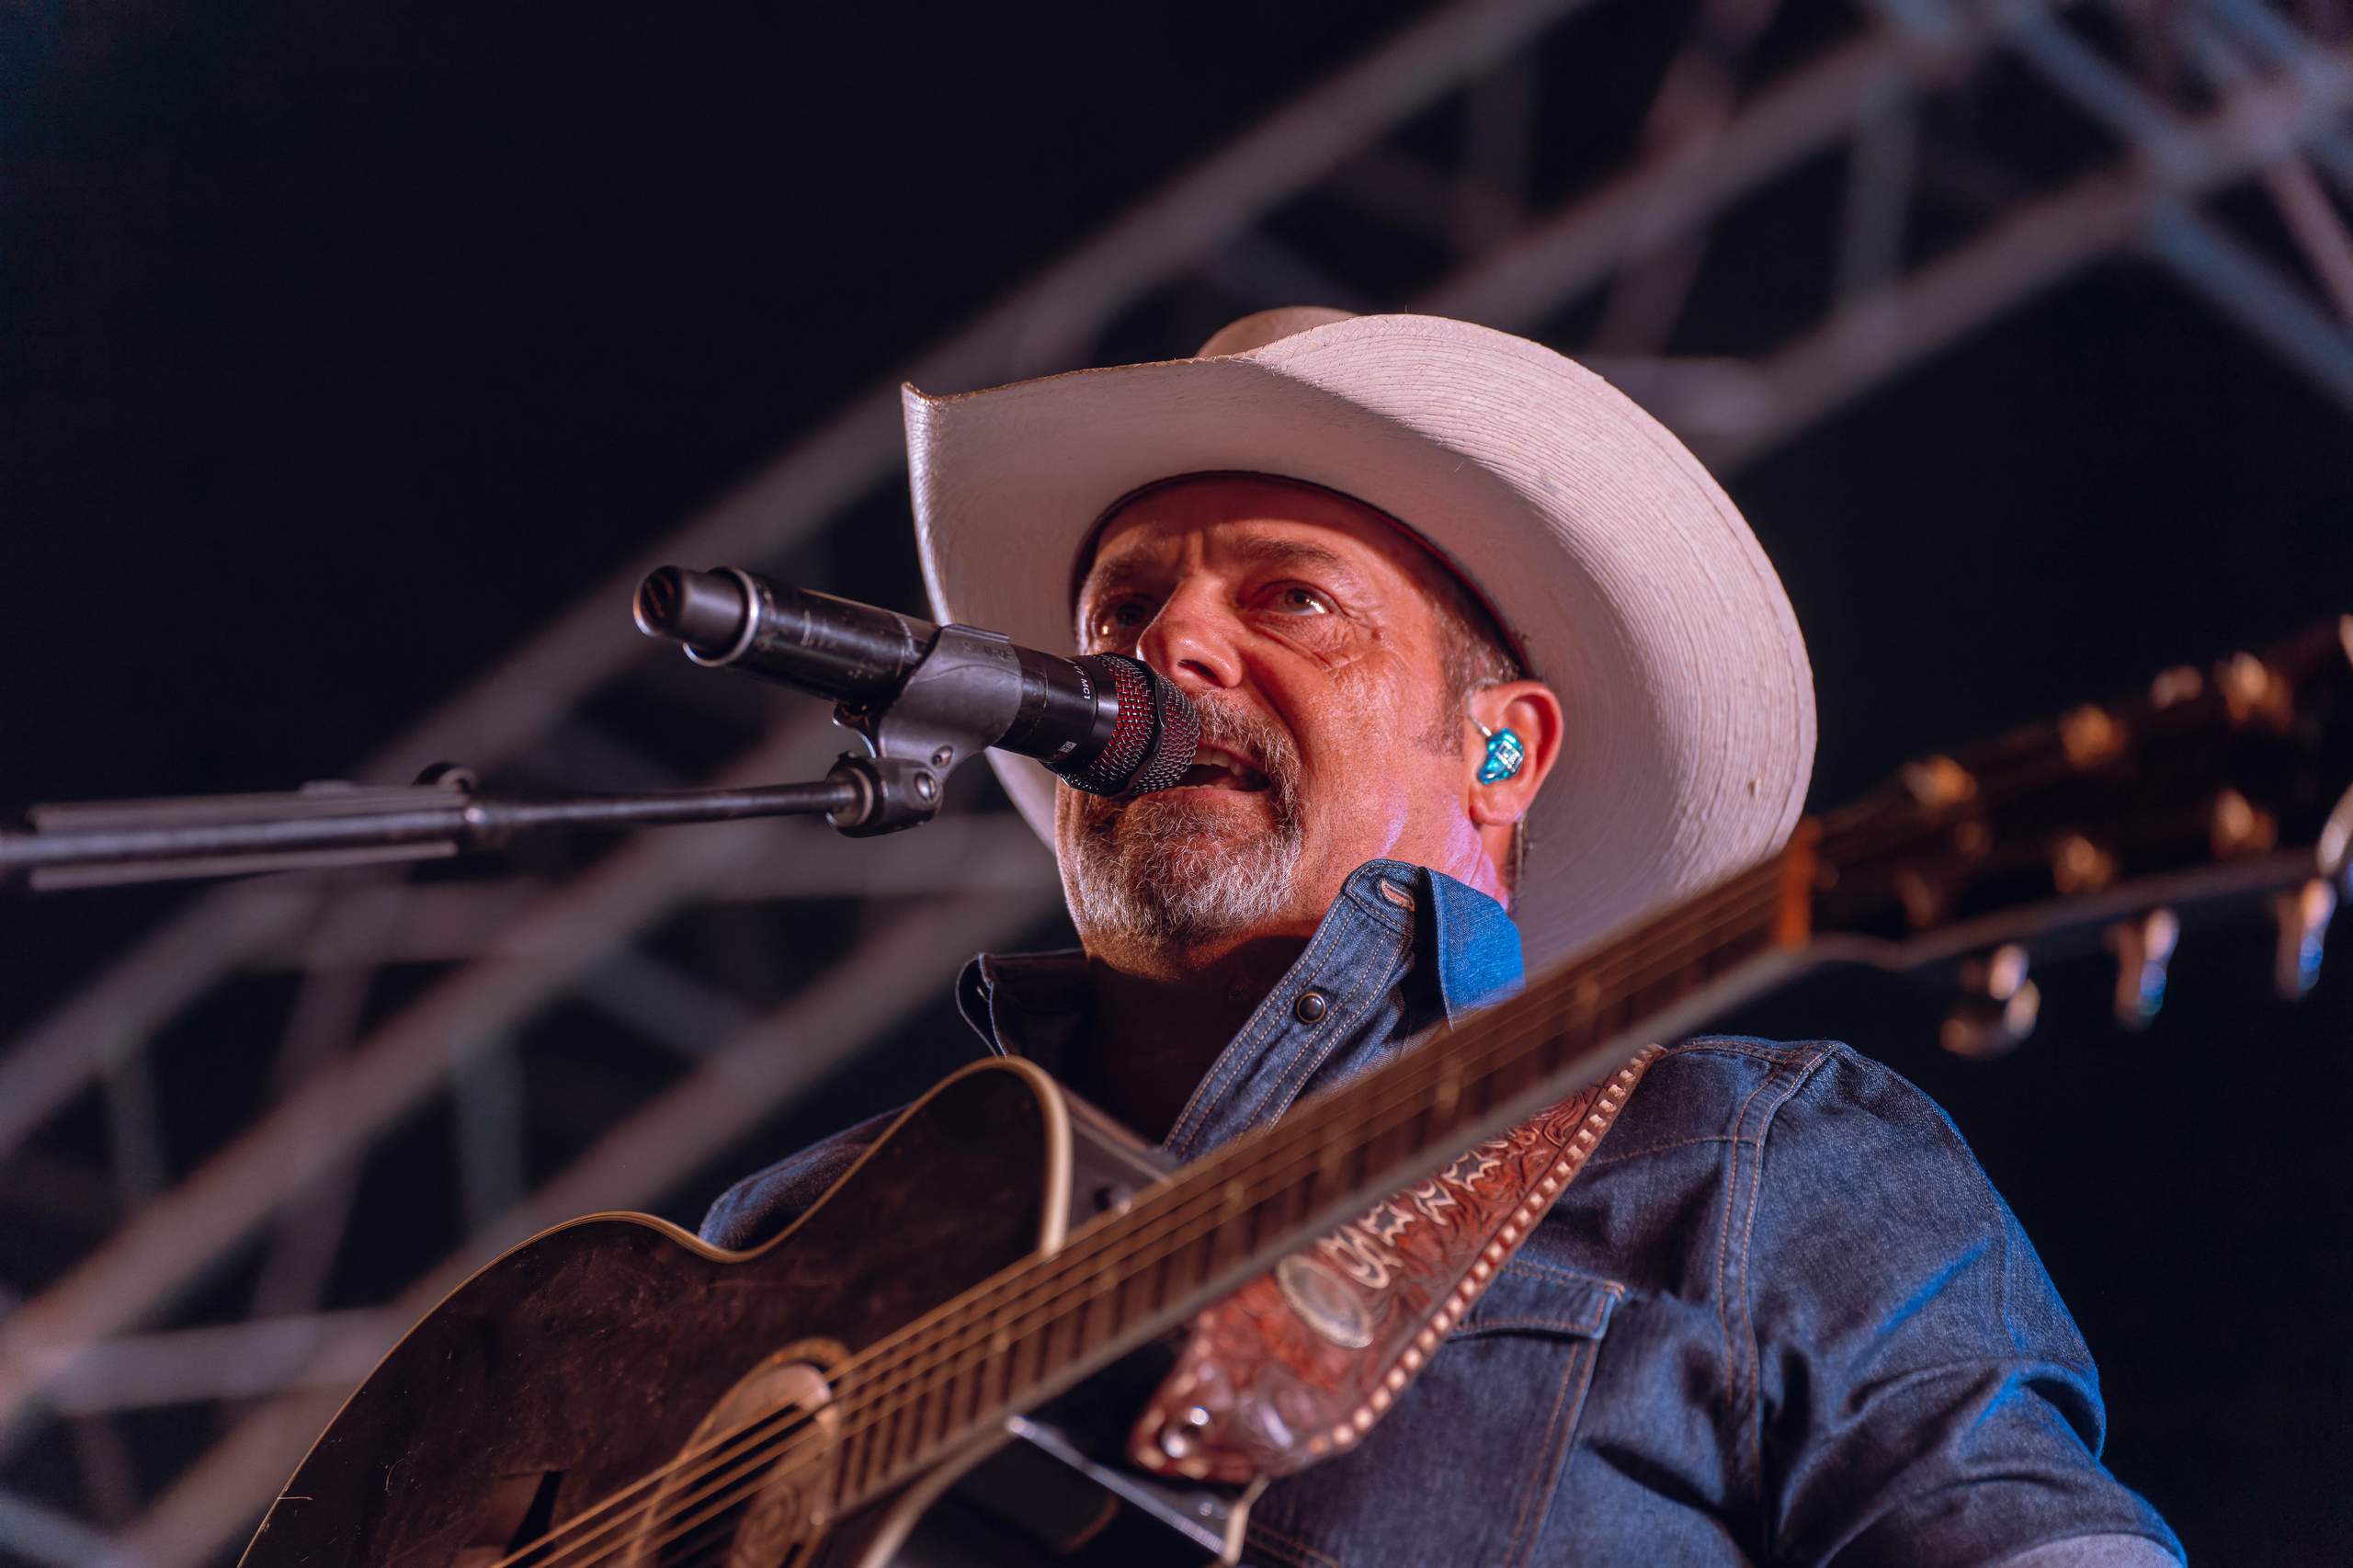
[(340, 348)]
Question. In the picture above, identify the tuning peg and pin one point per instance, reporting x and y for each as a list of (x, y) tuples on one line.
[(2302, 916), (2237, 827), (2179, 684), (1939, 782), (2253, 692), (1925, 904), (1998, 1007), (2077, 865), (2091, 735), (2143, 946)]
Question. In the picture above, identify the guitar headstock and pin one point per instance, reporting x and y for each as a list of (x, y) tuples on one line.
[(2110, 826)]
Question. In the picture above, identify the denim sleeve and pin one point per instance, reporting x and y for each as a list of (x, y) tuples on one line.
[(765, 1202), (1920, 1394)]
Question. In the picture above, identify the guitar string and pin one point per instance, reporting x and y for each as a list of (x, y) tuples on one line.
[(1914, 830), (1671, 950), (875, 1365), (1502, 1042), (770, 1465), (1849, 844)]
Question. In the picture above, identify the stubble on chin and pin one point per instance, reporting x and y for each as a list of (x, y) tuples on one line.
[(1171, 874)]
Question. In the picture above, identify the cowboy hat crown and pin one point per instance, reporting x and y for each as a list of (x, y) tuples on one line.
[(1617, 567)]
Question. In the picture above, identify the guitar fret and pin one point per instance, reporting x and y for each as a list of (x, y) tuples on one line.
[(1160, 1278), (1395, 1144), (1133, 1300), (907, 1444), (939, 1422), (1152, 1280), (906, 1433), (1331, 1177), (898, 1436), (1249, 1224), (1611, 1016), (1191, 1262), (930, 1416), (851, 1462), (993, 1381), (904, 1441), (966, 1401), (881, 1442), (1058, 1342), (1098, 1320), (1478, 1096), (956, 1411), (1028, 1357), (1633, 1005), (1512, 1076), (1288, 1204)]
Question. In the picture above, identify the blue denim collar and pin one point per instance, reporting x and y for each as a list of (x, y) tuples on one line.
[(1476, 944), (1402, 948)]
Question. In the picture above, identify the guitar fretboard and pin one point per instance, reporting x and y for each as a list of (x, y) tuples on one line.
[(1040, 1327)]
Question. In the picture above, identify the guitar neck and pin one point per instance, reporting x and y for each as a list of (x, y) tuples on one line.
[(2196, 775), (2195, 772), (1127, 1278)]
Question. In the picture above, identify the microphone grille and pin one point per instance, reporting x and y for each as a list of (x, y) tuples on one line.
[(1154, 739), (1177, 735)]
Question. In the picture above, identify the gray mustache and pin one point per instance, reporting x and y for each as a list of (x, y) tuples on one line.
[(1256, 740), (1266, 747)]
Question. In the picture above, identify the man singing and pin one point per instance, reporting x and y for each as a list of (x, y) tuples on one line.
[(1469, 634)]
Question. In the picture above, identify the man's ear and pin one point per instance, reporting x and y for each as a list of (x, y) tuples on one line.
[(1530, 711)]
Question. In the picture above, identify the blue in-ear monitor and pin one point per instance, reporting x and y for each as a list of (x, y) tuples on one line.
[(1505, 755)]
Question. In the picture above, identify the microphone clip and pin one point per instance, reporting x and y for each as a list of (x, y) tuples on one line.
[(959, 699)]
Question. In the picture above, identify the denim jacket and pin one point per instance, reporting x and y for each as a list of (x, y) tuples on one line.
[(1781, 1316)]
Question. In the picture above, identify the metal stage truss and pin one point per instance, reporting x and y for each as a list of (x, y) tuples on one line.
[(1881, 142)]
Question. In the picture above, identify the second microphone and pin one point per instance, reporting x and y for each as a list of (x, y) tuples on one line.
[(1102, 723)]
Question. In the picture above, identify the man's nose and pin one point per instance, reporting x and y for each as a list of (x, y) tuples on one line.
[(1193, 641)]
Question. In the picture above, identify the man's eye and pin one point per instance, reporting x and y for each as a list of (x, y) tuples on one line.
[(1301, 601), (1120, 620)]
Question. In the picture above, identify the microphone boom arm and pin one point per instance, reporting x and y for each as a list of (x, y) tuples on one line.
[(916, 737), (327, 826), (924, 699)]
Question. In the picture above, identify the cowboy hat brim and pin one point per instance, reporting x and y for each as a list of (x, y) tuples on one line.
[(1621, 568)]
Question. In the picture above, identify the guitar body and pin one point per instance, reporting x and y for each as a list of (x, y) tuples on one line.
[(591, 1356)]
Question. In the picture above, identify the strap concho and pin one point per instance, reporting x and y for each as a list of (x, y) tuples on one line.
[(1300, 1363)]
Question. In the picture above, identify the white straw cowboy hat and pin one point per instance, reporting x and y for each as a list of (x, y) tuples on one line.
[(1620, 568)]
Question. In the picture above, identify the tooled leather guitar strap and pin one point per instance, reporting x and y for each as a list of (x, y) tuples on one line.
[(1300, 1362)]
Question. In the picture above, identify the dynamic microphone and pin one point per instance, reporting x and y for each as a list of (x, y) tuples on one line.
[(1103, 722)]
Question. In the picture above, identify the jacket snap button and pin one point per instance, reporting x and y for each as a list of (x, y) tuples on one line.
[(1311, 1006)]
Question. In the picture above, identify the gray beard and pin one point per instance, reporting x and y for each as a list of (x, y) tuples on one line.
[(1144, 869), (1148, 873)]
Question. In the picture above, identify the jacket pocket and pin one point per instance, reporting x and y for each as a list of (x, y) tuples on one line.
[(1529, 1296), (1463, 1468)]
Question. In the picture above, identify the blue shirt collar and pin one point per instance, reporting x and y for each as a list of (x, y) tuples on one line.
[(1401, 948)]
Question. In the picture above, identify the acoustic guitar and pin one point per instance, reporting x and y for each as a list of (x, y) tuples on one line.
[(937, 1364)]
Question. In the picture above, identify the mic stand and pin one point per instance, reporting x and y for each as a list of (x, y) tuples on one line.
[(916, 740)]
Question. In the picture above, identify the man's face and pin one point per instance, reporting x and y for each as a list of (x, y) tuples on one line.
[(1302, 626)]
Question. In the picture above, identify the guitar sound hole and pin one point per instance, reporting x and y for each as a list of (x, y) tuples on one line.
[(750, 1488)]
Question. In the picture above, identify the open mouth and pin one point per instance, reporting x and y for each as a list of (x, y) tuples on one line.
[(1215, 768)]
